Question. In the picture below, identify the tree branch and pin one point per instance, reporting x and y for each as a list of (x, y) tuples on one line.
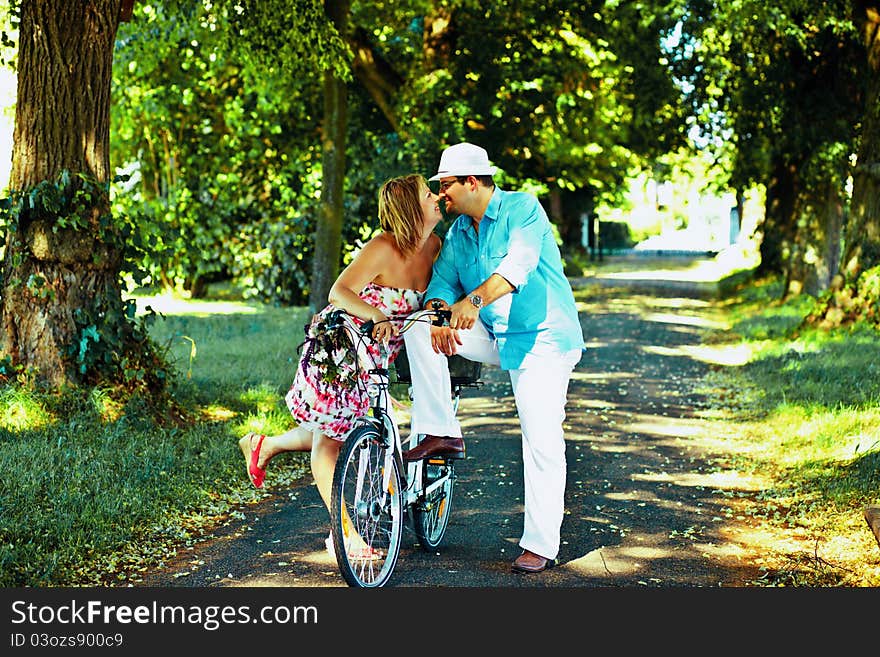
[(376, 75)]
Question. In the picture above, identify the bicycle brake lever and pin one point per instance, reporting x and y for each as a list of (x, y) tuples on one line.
[(367, 327)]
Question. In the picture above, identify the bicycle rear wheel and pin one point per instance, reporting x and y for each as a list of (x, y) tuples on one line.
[(363, 505), (431, 512)]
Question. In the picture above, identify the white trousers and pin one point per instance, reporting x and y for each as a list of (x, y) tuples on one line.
[(540, 390)]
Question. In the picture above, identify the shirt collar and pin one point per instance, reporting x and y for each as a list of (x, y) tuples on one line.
[(463, 222)]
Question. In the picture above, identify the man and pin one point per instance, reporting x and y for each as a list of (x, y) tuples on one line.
[(500, 273)]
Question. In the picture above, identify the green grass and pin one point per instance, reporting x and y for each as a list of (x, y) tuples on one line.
[(807, 414), (93, 492)]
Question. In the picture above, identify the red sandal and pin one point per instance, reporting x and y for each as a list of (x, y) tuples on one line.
[(252, 457)]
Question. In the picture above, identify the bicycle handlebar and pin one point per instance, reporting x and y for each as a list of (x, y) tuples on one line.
[(336, 318)]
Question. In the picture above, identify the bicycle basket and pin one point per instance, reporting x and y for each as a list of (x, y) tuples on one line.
[(461, 370)]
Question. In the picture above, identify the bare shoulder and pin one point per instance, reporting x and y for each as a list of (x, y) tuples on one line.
[(384, 242), (380, 246)]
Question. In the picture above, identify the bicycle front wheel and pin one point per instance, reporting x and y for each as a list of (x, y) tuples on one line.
[(366, 509)]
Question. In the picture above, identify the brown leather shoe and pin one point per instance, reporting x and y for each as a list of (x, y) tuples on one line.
[(872, 516), (452, 448), (529, 562)]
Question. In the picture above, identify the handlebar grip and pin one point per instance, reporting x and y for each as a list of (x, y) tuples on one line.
[(442, 317), (367, 327)]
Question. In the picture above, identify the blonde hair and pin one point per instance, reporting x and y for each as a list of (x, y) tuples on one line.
[(400, 210)]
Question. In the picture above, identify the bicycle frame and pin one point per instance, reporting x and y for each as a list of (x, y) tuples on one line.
[(378, 392), (372, 492)]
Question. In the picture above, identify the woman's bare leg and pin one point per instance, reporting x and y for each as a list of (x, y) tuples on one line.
[(325, 452), (295, 440)]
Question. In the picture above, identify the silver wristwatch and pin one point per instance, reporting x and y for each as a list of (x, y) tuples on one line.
[(476, 300)]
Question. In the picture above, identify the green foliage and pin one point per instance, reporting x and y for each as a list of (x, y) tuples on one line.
[(854, 302), (68, 203), (291, 35), (217, 112), (777, 90), (9, 21), (112, 344), (223, 182)]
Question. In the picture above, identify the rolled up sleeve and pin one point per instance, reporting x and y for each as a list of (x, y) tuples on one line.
[(524, 249)]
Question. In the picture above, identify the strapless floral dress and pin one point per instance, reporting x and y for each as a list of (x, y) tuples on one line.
[(328, 393)]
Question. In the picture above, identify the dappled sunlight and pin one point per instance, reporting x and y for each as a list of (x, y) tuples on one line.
[(732, 355), (171, 304), (20, 410), (263, 397), (688, 320), (726, 480), (595, 344), (602, 377), (700, 270), (736, 544), (289, 567), (680, 303), (600, 404), (616, 446), (663, 351), (616, 560), (728, 355), (217, 413), (632, 495), (661, 425)]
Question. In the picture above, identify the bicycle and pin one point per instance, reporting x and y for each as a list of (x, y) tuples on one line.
[(373, 493)]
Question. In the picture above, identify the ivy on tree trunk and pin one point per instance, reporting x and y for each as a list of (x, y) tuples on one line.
[(63, 317)]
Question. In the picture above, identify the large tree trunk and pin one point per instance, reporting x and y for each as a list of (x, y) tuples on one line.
[(54, 277), (834, 217), (849, 300), (328, 235), (815, 253), (862, 245), (778, 228)]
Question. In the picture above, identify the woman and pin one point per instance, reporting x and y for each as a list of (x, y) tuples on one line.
[(388, 276)]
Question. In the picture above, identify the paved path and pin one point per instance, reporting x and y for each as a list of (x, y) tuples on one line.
[(649, 501)]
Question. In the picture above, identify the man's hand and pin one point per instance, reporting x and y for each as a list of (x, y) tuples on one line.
[(464, 314), (444, 340)]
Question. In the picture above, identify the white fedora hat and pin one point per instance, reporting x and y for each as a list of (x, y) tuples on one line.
[(464, 159)]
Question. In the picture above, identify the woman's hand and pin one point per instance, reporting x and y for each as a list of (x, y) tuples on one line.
[(383, 330)]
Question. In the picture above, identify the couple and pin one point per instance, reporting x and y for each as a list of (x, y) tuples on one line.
[(500, 274)]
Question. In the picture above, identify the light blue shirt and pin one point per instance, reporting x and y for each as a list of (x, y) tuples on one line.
[(516, 241)]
